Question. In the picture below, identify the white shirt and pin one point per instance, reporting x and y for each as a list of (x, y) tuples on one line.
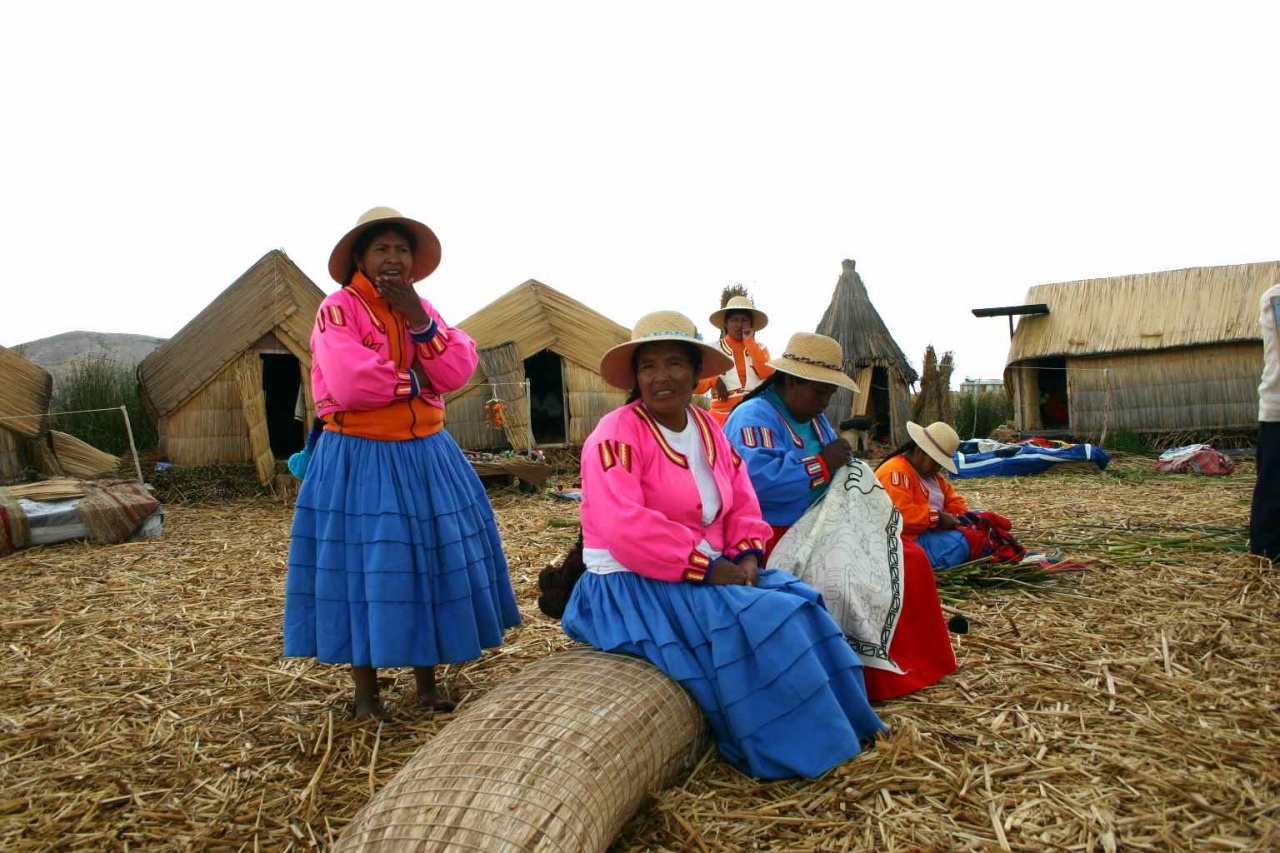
[(1269, 387), (689, 442)]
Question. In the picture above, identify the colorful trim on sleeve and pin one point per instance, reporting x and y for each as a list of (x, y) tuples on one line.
[(613, 452), (751, 544), (433, 347), (816, 468), (406, 384), (757, 437), (424, 334), (699, 565)]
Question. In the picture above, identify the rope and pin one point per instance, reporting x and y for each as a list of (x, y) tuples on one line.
[(59, 414)]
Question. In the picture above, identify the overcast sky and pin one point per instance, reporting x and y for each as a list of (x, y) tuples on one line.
[(636, 156)]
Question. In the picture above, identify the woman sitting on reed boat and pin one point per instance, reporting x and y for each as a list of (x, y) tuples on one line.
[(673, 541), (933, 515), (834, 527), (394, 558)]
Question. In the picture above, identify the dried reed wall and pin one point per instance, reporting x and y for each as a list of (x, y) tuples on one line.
[(590, 399), (1193, 389), (210, 427), (12, 458)]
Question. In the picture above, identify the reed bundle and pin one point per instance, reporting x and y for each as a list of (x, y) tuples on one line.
[(54, 489)]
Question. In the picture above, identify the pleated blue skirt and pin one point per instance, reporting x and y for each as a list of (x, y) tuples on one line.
[(395, 558), (945, 548), (779, 684)]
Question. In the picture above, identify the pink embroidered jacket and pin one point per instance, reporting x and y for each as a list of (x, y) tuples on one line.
[(641, 503), (362, 352)]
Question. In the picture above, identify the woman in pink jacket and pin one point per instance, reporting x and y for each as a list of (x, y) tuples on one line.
[(673, 540), (395, 558)]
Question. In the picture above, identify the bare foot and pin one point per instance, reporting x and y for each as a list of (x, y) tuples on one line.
[(371, 709), (434, 702)]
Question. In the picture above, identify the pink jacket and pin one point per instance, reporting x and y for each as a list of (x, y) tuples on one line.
[(641, 503), (362, 351)]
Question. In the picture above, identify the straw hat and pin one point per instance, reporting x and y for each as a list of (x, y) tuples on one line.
[(426, 257), (740, 303), (615, 366), (938, 440), (814, 357)]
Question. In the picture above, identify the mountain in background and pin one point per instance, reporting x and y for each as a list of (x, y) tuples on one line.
[(56, 353)]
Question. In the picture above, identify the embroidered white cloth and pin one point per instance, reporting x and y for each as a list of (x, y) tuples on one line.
[(848, 546)]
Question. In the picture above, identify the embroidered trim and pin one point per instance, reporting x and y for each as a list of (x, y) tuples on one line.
[(693, 576), (737, 460), (674, 455), (336, 317), (373, 318), (432, 348), (607, 459), (750, 544), (708, 437), (749, 436), (613, 452)]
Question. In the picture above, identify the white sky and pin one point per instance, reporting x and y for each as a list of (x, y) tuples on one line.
[(636, 156)]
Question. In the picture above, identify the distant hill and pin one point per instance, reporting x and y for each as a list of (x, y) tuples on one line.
[(55, 354)]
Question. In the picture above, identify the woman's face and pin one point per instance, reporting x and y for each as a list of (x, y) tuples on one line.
[(737, 324), (388, 257), (923, 462), (664, 377), (808, 400)]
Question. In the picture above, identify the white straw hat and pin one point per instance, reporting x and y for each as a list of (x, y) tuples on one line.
[(759, 319), (815, 357), (938, 440), (426, 255), (615, 366)]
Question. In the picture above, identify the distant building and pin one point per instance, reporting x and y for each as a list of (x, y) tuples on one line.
[(1164, 352), (981, 386)]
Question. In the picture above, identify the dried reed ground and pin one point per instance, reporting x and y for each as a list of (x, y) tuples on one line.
[(145, 704)]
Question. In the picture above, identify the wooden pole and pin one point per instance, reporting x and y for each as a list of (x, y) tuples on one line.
[(128, 428), (1106, 413)]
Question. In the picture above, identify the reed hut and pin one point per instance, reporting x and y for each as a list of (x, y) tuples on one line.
[(226, 388), (1164, 352), (872, 358), (26, 390), (540, 356)]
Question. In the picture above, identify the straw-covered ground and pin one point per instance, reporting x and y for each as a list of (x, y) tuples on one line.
[(145, 704)]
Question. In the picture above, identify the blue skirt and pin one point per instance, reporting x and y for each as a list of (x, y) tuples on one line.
[(779, 684), (945, 548), (395, 558)]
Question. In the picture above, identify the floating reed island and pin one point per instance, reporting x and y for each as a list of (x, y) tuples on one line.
[(1130, 706)]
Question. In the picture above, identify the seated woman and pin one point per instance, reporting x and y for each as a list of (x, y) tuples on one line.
[(844, 541), (673, 539), (933, 515)]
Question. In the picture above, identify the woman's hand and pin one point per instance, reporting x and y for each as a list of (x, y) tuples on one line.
[(401, 296), (726, 572), (947, 521), (720, 391), (836, 454)]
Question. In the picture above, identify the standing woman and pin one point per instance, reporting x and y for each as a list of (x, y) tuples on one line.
[(395, 558), (1264, 518), (738, 321)]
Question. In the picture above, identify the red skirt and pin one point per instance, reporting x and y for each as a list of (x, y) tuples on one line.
[(921, 645)]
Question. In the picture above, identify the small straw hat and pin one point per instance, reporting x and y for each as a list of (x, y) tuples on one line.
[(815, 357), (938, 440), (615, 366), (426, 257), (740, 303)]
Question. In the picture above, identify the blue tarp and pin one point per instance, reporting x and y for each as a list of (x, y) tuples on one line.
[(1012, 460)]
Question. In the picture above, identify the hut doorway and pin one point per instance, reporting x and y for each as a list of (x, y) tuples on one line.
[(1055, 409), (281, 384), (882, 425), (547, 414)]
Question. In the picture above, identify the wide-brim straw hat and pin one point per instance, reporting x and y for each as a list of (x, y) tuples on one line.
[(615, 365), (938, 440), (740, 303), (814, 357), (426, 255)]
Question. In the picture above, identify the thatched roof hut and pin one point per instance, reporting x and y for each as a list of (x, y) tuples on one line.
[(1164, 352), (540, 355), (871, 357), (225, 388), (25, 392)]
